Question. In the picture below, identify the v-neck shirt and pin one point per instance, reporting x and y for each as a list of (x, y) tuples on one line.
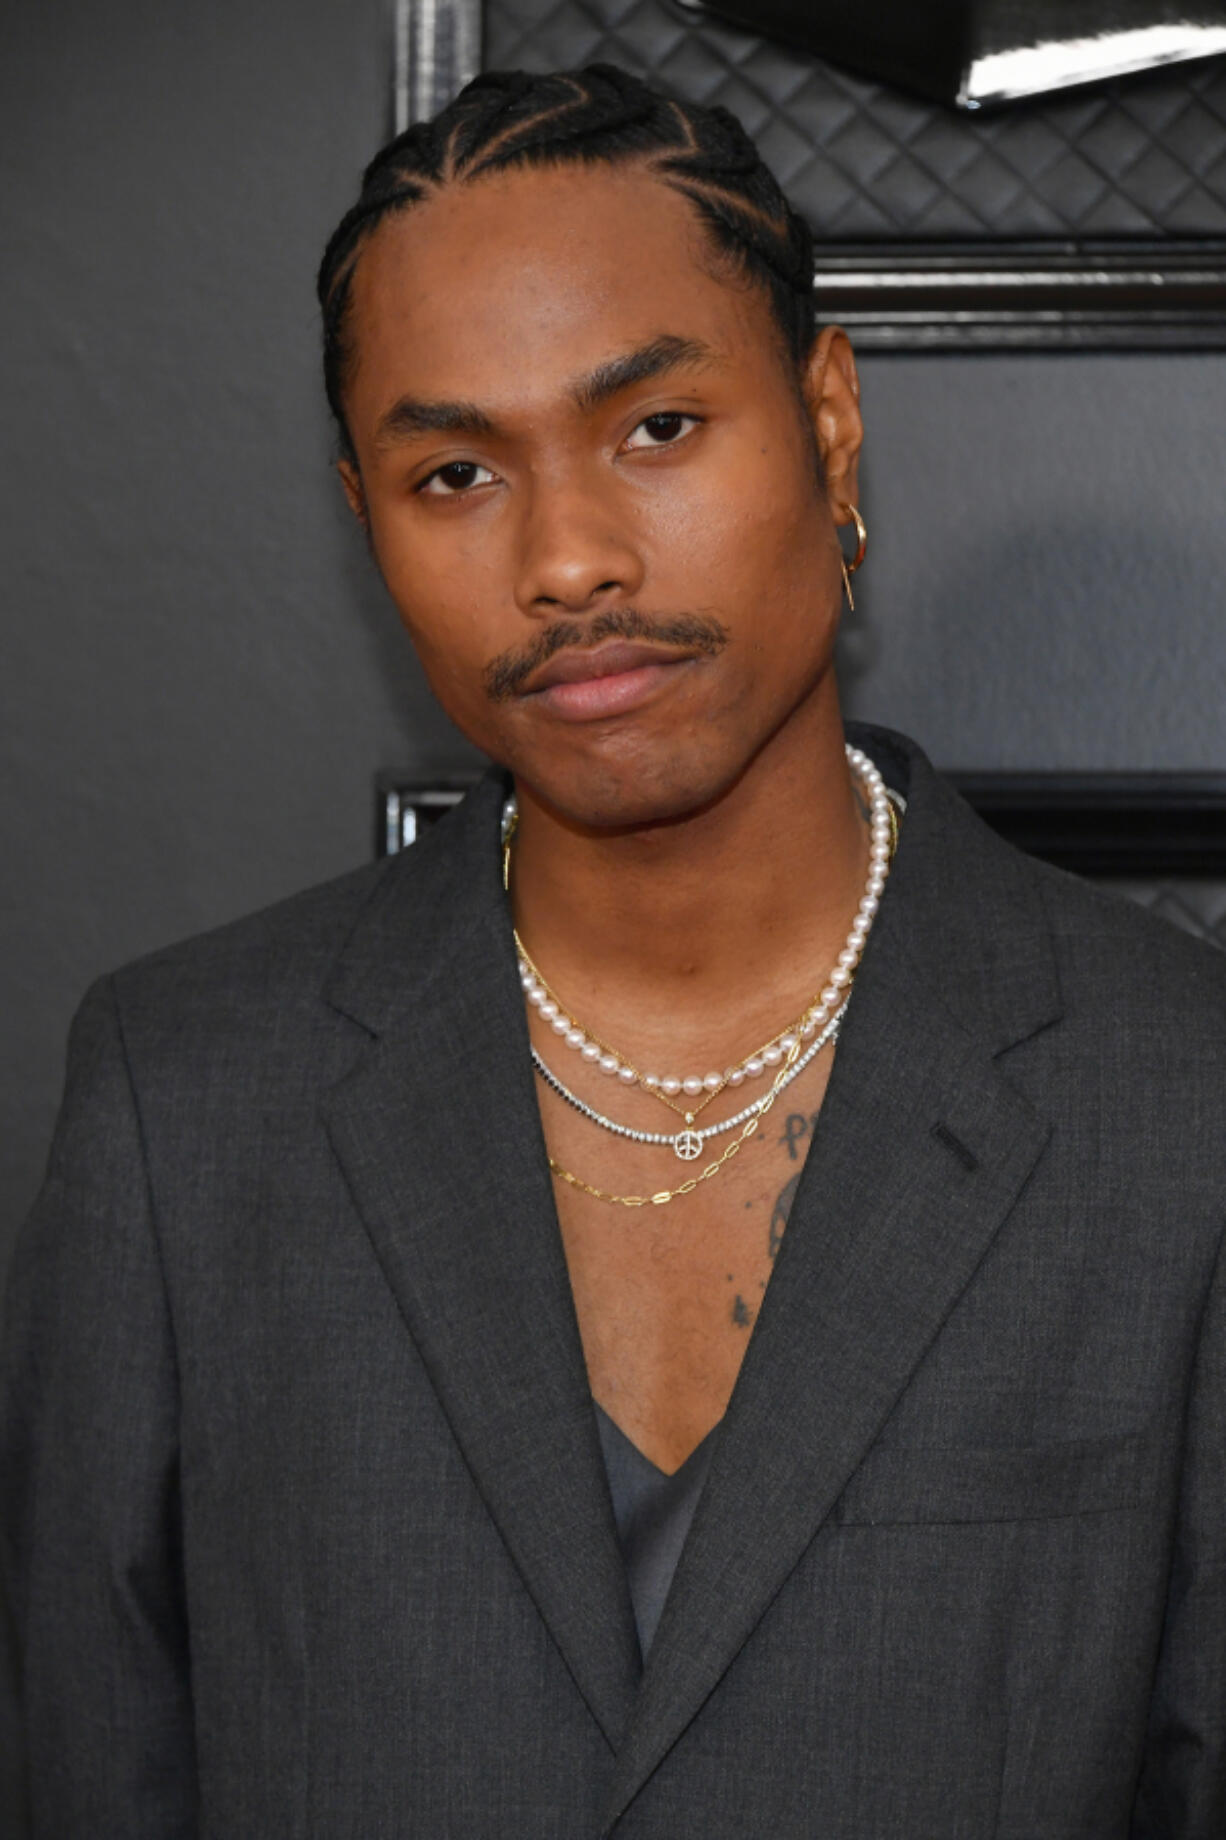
[(652, 1511)]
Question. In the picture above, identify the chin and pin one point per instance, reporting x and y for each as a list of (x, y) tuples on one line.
[(654, 788)]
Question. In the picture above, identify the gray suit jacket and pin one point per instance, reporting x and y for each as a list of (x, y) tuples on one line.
[(303, 1497)]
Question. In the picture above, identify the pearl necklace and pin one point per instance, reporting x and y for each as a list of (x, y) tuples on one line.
[(883, 832), (690, 1143)]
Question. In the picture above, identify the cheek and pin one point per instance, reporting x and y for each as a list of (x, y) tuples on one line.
[(444, 592), (749, 537)]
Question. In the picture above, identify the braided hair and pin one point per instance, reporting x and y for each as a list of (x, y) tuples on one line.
[(508, 118)]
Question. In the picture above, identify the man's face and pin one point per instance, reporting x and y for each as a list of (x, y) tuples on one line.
[(591, 486)]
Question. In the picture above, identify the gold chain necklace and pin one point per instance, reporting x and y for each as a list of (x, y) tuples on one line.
[(793, 1051), (694, 1100), (666, 1195)]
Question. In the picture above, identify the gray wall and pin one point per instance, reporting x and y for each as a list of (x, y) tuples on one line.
[(1049, 552), (200, 676)]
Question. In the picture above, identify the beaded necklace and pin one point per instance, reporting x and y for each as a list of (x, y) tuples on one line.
[(786, 1052)]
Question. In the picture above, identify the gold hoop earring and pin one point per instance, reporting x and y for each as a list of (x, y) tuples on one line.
[(849, 568)]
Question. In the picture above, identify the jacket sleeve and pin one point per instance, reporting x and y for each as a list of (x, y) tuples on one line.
[(1182, 1790), (89, 1520)]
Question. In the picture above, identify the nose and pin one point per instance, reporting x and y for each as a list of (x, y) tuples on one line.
[(575, 550)]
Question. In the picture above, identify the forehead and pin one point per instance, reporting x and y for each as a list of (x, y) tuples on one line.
[(497, 290)]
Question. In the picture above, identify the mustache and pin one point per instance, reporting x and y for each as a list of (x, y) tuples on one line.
[(504, 675)]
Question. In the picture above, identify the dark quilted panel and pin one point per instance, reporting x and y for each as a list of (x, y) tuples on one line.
[(1142, 158), (1198, 906)]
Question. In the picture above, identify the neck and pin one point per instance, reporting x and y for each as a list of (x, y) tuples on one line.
[(742, 905)]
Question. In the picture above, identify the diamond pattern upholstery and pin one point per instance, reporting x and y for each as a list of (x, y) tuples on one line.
[(1144, 157), (1197, 905)]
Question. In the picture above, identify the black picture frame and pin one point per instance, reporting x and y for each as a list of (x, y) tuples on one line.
[(1135, 825), (1050, 296)]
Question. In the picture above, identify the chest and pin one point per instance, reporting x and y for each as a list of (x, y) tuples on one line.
[(667, 1295)]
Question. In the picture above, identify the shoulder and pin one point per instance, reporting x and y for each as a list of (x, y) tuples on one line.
[(997, 924), (237, 1015), (256, 959), (1120, 959), (276, 1002), (1132, 1070), (293, 946)]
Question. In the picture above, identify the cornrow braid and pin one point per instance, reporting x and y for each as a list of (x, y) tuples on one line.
[(508, 118)]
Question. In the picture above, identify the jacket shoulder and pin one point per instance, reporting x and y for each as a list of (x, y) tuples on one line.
[(1113, 947), (277, 1001), (238, 1015), (247, 961)]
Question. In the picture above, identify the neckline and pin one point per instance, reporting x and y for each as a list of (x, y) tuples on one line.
[(641, 1458)]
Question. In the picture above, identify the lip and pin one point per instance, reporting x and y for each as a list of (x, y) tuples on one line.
[(583, 684), (579, 664)]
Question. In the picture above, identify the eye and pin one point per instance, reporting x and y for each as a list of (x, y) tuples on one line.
[(661, 430), (456, 478)]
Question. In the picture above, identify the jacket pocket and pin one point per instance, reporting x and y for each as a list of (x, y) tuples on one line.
[(1017, 1483)]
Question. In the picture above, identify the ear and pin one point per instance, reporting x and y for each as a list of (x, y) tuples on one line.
[(351, 479), (832, 396)]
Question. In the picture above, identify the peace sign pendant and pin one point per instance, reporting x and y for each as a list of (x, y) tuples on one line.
[(688, 1145)]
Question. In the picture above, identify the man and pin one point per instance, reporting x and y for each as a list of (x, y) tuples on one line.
[(508, 1345)]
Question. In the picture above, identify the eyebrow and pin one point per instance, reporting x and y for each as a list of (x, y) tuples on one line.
[(411, 416), (667, 353)]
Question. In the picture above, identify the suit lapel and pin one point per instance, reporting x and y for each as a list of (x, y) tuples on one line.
[(921, 1149), (438, 1132)]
